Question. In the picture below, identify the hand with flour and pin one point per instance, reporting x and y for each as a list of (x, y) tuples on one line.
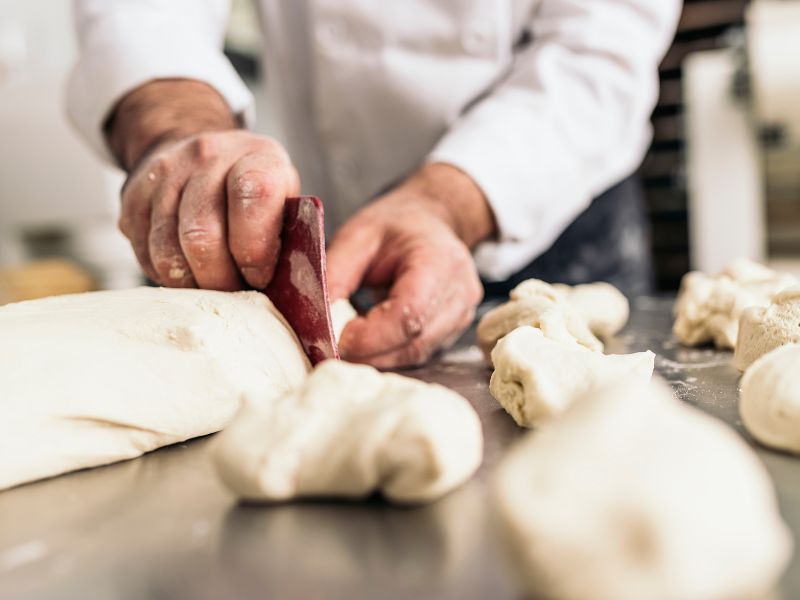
[(203, 204), (415, 241), (203, 207)]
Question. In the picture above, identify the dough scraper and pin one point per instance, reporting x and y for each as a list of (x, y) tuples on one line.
[(299, 288)]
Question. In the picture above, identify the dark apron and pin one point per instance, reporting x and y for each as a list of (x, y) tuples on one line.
[(609, 241)]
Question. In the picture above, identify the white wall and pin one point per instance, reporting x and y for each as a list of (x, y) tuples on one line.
[(48, 176)]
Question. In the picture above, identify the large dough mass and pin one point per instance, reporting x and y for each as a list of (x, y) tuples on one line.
[(536, 378), (633, 495), (351, 431), (94, 378)]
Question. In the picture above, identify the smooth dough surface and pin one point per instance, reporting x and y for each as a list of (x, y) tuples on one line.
[(708, 307), (536, 378), (537, 304), (770, 398), (632, 495), (762, 329), (95, 378), (351, 431)]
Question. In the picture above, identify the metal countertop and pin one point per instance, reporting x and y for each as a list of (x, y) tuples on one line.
[(161, 526)]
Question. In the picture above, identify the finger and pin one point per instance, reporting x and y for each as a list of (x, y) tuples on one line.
[(202, 233), (413, 300), (349, 256), (441, 334), (134, 222), (164, 245), (257, 187)]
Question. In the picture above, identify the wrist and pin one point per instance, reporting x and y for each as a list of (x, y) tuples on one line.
[(457, 199), (161, 111)]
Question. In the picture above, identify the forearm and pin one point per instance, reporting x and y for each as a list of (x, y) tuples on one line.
[(162, 110), (457, 199)]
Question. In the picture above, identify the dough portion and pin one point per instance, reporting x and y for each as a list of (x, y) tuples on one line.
[(632, 494), (351, 431), (604, 307), (708, 307), (90, 379), (762, 329), (537, 304), (342, 312), (770, 399), (536, 378)]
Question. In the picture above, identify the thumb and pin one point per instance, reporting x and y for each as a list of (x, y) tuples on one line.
[(349, 256)]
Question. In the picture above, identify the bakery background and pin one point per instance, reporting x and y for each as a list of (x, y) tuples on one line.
[(722, 175)]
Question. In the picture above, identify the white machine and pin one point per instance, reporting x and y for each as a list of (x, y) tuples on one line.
[(743, 143)]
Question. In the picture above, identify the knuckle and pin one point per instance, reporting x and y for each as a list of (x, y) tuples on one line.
[(413, 322), (270, 146), (159, 166), (199, 239), (250, 186), (205, 148), (124, 225)]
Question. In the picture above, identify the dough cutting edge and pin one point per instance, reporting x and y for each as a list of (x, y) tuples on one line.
[(299, 288)]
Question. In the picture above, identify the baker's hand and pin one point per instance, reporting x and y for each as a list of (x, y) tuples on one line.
[(414, 241), (203, 204), (207, 210)]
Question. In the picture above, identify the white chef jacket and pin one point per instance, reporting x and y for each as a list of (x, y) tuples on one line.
[(544, 103)]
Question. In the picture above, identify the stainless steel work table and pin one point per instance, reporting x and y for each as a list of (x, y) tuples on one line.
[(162, 526)]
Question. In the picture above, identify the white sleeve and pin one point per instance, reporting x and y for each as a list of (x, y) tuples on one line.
[(125, 43), (569, 121)]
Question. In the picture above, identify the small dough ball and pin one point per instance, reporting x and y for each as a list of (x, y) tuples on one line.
[(535, 303), (762, 329), (342, 312), (536, 378), (632, 494), (604, 307), (708, 307), (770, 400), (351, 431)]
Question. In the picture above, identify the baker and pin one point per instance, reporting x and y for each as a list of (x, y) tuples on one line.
[(447, 139)]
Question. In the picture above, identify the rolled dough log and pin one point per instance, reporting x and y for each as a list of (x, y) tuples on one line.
[(762, 329), (770, 399), (91, 379), (351, 431), (632, 494), (536, 378), (537, 304), (708, 307)]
